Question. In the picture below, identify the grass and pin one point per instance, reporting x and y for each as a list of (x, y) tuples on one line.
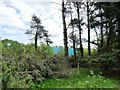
[(86, 79)]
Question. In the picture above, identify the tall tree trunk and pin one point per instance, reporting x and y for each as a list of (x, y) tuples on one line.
[(118, 18), (36, 36), (79, 26), (64, 31), (89, 49), (97, 39), (106, 27), (101, 27), (74, 41), (109, 36), (74, 49), (119, 35)]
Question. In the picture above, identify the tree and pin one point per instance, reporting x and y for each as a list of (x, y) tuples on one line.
[(64, 31), (118, 20), (105, 21), (100, 15), (37, 30), (47, 39), (107, 24), (96, 22), (73, 36), (73, 39), (13, 47), (79, 23), (88, 21)]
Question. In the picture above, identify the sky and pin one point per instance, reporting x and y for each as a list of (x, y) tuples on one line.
[(15, 17)]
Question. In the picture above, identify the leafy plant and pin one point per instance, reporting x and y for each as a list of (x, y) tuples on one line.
[(109, 60), (46, 50), (95, 81), (12, 78)]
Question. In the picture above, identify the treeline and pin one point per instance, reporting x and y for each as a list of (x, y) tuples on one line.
[(17, 49), (102, 18)]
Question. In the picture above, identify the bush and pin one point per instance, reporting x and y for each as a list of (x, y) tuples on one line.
[(46, 50), (86, 62), (11, 77), (22, 66), (72, 61), (103, 61), (109, 60), (27, 71)]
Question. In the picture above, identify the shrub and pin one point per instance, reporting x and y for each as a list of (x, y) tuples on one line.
[(27, 71), (22, 66), (46, 50), (109, 60), (12, 78)]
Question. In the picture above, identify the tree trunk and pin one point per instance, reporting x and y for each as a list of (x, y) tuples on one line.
[(74, 48), (101, 27), (36, 36), (118, 17), (79, 26), (89, 49), (97, 39), (109, 34), (64, 31), (119, 35)]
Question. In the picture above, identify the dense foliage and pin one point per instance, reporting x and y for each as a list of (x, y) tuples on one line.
[(24, 68), (24, 72), (21, 68), (102, 61), (109, 60)]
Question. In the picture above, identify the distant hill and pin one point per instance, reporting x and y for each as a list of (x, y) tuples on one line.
[(57, 49)]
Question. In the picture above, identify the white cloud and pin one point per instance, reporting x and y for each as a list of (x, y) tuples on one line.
[(16, 14), (15, 19), (9, 17), (25, 10)]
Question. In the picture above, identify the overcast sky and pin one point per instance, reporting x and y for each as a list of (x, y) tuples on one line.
[(15, 17)]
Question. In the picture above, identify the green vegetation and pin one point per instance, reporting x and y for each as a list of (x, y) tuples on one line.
[(86, 52), (86, 79), (23, 69), (0, 47), (46, 50), (36, 66)]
